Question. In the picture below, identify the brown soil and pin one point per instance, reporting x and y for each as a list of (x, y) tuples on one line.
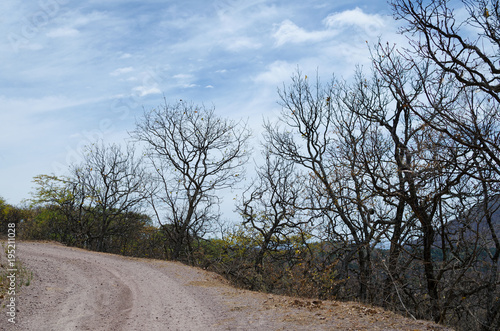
[(73, 289)]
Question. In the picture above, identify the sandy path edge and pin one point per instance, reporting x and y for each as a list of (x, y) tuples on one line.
[(74, 289)]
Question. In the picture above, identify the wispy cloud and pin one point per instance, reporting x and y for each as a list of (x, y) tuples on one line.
[(289, 32), (145, 90), (125, 56), (355, 18), (68, 67), (275, 73), (241, 44), (49, 103), (121, 71), (62, 32), (333, 25)]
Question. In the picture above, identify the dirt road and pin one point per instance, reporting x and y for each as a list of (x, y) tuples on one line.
[(73, 289)]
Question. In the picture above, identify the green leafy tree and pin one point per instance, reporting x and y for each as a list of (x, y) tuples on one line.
[(8, 214)]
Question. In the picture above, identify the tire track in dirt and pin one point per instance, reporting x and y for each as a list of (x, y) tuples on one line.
[(73, 289), (78, 290)]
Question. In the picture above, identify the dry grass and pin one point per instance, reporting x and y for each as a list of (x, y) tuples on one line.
[(23, 275)]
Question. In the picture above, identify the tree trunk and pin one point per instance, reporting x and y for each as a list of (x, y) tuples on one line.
[(364, 272), (394, 253)]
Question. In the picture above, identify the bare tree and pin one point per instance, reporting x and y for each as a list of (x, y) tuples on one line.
[(100, 200), (194, 154), (461, 60), (432, 168), (269, 205), (377, 169), (111, 183), (324, 137), (456, 52), (470, 57)]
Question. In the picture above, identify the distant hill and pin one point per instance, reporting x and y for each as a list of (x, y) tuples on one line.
[(473, 226)]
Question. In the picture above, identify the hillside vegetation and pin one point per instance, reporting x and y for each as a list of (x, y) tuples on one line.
[(383, 189)]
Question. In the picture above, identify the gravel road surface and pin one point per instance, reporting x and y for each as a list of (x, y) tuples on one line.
[(73, 289)]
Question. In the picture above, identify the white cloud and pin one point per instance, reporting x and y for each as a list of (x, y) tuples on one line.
[(185, 80), (40, 105), (144, 90), (121, 71), (355, 17), (18, 42), (125, 56), (62, 32), (242, 43), (290, 32), (193, 50), (276, 73), (95, 17), (183, 76)]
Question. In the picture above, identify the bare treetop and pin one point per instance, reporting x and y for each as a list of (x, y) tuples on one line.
[(194, 154)]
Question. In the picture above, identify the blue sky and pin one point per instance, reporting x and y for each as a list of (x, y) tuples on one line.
[(73, 72)]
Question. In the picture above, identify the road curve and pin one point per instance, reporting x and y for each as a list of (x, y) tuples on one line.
[(74, 289), (80, 290)]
